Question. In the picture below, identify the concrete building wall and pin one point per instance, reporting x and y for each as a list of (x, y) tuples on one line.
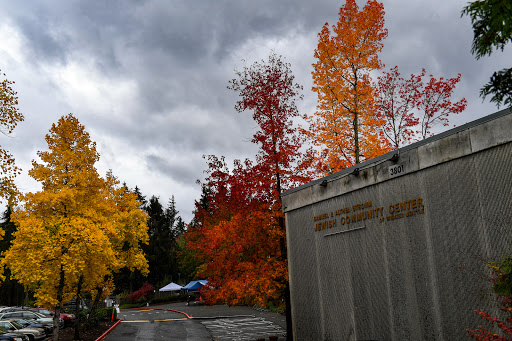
[(388, 255)]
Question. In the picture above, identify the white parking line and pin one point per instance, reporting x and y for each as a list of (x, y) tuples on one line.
[(242, 329)]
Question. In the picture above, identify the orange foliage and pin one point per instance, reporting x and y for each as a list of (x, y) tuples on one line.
[(346, 125), (238, 237)]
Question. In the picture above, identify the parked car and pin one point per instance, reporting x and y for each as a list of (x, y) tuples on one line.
[(6, 336), (71, 305), (68, 318), (10, 309), (47, 327), (34, 334), (29, 315)]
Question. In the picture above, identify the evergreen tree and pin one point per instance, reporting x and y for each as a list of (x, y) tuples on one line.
[(161, 242), (202, 207), (165, 226), (141, 198), (180, 227), (174, 221), (11, 292)]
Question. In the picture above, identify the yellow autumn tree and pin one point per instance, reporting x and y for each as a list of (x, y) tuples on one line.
[(79, 228), (346, 126), (10, 116)]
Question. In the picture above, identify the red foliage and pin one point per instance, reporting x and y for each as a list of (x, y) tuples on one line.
[(435, 104), (505, 326), (239, 237), (397, 99), (268, 89), (238, 234), (501, 273), (143, 292), (405, 104)]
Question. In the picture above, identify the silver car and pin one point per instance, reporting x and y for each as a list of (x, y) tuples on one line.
[(29, 315), (34, 334)]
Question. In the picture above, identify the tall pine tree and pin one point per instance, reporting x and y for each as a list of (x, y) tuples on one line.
[(11, 292)]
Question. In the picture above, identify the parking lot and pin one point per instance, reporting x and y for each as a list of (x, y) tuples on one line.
[(218, 323)]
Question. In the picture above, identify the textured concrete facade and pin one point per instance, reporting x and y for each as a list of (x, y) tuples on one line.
[(398, 250)]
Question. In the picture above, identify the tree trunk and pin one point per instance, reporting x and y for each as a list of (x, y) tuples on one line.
[(287, 299), (77, 308), (284, 257), (356, 137), (95, 304), (60, 289)]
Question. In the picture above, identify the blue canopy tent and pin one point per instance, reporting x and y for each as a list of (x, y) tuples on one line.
[(195, 285), (192, 289)]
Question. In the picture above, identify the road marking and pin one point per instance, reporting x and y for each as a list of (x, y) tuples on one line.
[(242, 329), (148, 312), (124, 321)]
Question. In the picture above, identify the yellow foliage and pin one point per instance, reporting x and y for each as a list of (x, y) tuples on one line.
[(9, 118), (79, 225)]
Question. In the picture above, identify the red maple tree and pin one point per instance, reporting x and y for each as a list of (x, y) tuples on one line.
[(242, 238), (435, 104), (239, 238), (410, 108), (397, 99), (268, 90)]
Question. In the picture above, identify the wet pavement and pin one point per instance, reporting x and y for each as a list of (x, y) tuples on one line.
[(178, 321)]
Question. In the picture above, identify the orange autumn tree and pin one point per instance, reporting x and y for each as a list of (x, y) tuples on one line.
[(240, 221), (346, 125)]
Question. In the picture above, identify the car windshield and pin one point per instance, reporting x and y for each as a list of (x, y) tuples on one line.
[(37, 314), (44, 311), (6, 326), (24, 323), (17, 325)]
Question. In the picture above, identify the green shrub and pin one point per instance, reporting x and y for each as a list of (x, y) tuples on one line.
[(276, 309), (132, 305), (102, 314)]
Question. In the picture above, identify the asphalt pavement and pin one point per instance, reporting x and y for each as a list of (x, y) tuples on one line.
[(197, 322)]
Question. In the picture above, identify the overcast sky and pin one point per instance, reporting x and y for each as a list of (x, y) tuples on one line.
[(148, 78)]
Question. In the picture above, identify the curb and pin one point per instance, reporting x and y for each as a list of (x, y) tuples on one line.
[(176, 311), (104, 335), (190, 316)]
